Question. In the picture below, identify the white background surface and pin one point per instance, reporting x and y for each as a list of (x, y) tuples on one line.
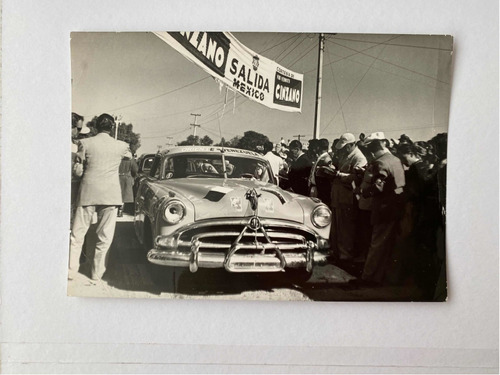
[(42, 330)]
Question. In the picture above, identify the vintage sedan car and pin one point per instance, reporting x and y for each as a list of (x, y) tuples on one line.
[(213, 207)]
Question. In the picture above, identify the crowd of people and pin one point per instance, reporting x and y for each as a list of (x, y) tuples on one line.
[(387, 200)]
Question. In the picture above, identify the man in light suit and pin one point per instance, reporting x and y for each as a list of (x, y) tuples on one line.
[(99, 193)]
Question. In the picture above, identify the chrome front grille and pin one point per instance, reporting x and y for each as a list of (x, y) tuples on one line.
[(249, 244), (222, 237)]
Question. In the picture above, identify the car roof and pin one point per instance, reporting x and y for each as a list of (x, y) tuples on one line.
[(210, 150), (146, 155)]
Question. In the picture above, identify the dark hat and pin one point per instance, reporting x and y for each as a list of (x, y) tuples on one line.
[(295, 144)]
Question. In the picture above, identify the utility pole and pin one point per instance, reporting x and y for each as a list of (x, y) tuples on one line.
[(317, 109), (298, 136), (169, 142), (195, 125), (117, 121)]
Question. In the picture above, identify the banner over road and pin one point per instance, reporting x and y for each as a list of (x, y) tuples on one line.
[(241, 69)]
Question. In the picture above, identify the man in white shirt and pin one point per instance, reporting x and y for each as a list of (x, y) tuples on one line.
[(275, 161)]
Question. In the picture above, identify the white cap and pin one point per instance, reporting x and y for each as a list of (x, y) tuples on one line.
[(345, 139), (85, 130), (373, 136)]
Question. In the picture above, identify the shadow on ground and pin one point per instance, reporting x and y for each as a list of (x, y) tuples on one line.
[(129, 270), (129, 274)]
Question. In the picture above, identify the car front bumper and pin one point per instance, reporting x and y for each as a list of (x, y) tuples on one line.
[(265, 255), (238, 263)]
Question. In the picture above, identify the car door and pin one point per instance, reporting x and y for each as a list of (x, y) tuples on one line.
[(145, 197)]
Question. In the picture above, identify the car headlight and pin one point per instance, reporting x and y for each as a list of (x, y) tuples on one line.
[(174, 212), (321, 216)]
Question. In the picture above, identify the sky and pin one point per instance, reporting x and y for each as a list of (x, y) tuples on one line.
[(391, 83)]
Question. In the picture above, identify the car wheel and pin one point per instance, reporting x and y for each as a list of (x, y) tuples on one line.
[(165, 277), (298, 276), (147, 236)]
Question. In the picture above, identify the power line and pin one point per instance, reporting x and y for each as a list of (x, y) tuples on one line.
[(291, 44), (297, 46), (217, 112), (338, 98), (218, 109), (179, 113), (353, 54), (303, 55), (379, 69), (182, 87), (352, 91), (390, 63), (160, 95), (276, 45), (219, 117), (394, 44), (213, 133), (195, 125), (170, 134), (375, 68)]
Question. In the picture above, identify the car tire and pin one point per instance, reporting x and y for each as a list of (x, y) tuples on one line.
[(165, 277), (147, 236), (298, 276), (162, 276)]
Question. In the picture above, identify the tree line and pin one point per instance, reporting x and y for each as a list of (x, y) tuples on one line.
[(249, 141), (125, 133)]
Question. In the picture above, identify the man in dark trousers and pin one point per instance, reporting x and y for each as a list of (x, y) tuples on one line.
[(300, 169), (99, 193), (319, 185), (343, 199), (385, 188)]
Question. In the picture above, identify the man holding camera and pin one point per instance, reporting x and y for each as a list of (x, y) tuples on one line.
[(385, 189), (343, 201)]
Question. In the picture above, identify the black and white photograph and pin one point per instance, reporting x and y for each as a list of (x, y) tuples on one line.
[(268, 192), (266, 166)]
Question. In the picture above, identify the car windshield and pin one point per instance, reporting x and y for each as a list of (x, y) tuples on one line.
[(210, 165), (147, 164)]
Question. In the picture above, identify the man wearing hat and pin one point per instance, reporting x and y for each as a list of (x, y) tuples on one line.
[(343, 200), (84, 132), (385, 189), (99, 194)]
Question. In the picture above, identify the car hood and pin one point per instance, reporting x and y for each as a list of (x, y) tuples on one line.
[(219, 198)]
